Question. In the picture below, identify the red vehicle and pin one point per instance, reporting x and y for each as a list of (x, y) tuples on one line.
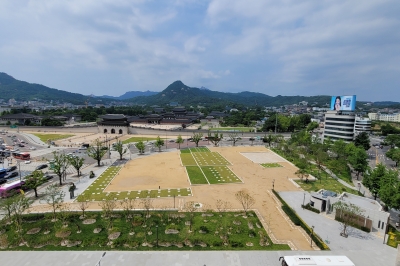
[(22, 155)]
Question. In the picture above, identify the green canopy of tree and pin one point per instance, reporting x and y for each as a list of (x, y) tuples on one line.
[(362, 140), (97, 150), (159, 143), (35, 180)]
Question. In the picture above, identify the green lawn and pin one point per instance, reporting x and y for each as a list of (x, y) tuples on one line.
[(209, 158), (326, 183), (185, 151), (199, 149), (243, 129), (95, 191), (220, 175), (187, 159), (137, 139), (52, 137), (270, 165), (196, 176), (138, 232)]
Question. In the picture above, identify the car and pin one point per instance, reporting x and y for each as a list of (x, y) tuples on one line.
[(2, 181), (11, 175), (11, 168), (48, 177), (27, 162), (42, 166), (32, 148), (171, 140), (21, 145), (83, 148)]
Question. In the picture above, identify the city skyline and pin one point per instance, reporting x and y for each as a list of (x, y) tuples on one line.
[(288, 48)]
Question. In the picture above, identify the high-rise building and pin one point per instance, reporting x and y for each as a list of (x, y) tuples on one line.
[(339, 125)]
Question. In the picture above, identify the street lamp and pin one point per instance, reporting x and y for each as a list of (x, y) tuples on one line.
[(312, 231), (304, 198), (102, 256), (273, 184)]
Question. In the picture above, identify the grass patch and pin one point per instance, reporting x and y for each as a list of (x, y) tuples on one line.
[(199, 149), (209, 159), (95, 192), (185, 150), (326, 183), (270, 165), (195, 175), (51, 137), (137, 139), (220, 175), (224, 231), (187, 159), (231, 129)]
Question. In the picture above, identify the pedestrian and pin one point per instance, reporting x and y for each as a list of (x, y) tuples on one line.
[(159, 187)]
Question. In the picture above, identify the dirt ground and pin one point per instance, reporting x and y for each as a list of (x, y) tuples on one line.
[(165, 170)]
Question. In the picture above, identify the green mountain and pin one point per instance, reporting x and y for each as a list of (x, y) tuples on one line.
[(11, 88), (185, 95)]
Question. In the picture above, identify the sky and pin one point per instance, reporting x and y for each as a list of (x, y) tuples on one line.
[(287, 47)]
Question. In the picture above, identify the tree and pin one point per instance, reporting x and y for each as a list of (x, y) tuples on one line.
[(61, 164), (347, 214), (362, 140), (393, 140), (339, 148), (108, 205), (97, 150), (389, 191), (77, 163), (19, 205), (147, 202), (234, 137), (54, 198), (179, 140), (191, 208), (159, 143), (268, 139), (119, 147), (312, 126), (128, 205), (83, 203), (34, 180), (359, 160), (140, 146), (215, 139), (245, 199), (372, 180), (196, 138), (320, 158), (394, 154)]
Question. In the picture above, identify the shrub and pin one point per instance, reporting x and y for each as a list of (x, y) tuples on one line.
[(310, 208), (236, 244), (292, 215), (204, 229)]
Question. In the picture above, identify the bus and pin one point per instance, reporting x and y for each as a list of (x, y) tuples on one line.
[(300, 260), (8, 188), (22, 155)]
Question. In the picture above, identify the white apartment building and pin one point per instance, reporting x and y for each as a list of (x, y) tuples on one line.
[(384, 117)]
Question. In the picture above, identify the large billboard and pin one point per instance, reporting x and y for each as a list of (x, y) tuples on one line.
[(345, 103)]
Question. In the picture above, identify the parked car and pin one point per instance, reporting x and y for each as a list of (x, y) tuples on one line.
[(48, 177), (11, 168), (11, 175), (27, 162), (2, 181), (42, 166)]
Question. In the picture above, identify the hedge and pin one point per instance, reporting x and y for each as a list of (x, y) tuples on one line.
[(298, 221), (310, 208), (362, 228)]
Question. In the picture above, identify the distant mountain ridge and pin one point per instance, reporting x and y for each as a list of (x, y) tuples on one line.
[(183, 94), (130, 95), (11, 88)]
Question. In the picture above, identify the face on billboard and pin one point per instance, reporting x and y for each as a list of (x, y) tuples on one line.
[(345, 103)]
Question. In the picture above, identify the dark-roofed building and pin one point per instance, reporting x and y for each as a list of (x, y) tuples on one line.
[(178, 116), (20, 118), (113, 124)]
